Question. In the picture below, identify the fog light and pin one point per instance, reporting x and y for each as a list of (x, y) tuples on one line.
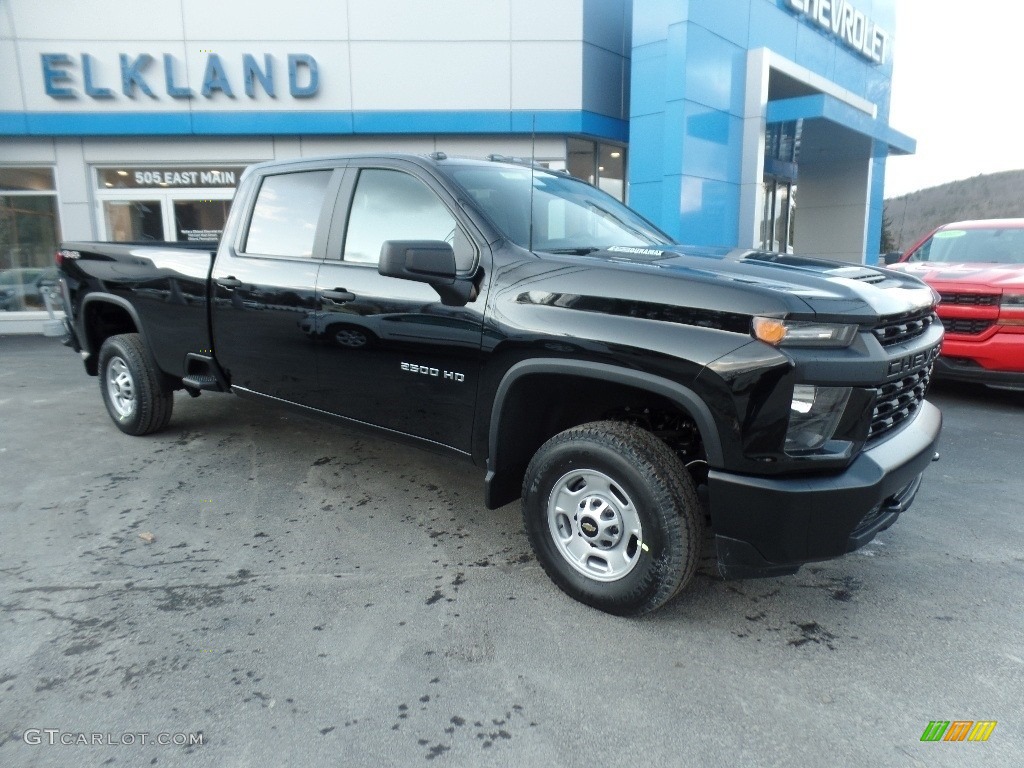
[(814, 415)]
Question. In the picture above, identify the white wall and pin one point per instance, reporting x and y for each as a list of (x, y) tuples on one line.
[(372, 54), (832, 193)]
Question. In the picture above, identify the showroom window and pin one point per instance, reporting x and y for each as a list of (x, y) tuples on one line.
[(165, 203), (29, 234), (602, 165)]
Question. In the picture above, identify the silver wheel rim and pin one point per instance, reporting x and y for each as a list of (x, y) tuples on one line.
[(595, 525), (347, 338), (120, 387)]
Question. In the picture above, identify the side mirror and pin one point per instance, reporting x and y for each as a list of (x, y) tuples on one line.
[(892, 257), (426, 261)]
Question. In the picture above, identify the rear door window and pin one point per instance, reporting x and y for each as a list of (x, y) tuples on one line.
[(286, 214)]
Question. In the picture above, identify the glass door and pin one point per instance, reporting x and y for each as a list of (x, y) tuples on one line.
[(128, 221), (777, 216), (163, 203), (199, 220)]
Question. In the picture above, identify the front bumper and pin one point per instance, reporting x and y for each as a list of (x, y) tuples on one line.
[(770, 526), (967, 369)]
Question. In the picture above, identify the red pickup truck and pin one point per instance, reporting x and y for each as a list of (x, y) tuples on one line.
[(977, 267)]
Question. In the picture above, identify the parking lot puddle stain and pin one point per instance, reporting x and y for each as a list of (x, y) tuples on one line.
[(812, 632)]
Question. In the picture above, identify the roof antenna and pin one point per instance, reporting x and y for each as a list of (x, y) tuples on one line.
[(533, 170)]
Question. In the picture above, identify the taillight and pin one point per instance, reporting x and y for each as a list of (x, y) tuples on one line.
[(58, 257)]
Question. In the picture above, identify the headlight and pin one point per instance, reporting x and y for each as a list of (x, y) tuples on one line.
[(798, 333), (1012, 301), (1011, 309), (813, 416)]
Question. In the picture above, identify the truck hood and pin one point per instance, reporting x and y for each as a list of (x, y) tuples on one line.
[(998, 277), (760, 282)]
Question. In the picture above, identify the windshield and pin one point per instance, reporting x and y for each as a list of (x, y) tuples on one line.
[(569, 216), (970, 246)]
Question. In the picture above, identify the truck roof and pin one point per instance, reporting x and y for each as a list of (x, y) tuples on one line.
[(985, 224), (423, 160)]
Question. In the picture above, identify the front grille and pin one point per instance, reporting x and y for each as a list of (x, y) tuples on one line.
[(896, 329), (898, 400), (966, 327), (971, 299)]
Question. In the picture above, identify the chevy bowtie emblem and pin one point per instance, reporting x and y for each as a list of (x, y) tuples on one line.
[(588, 527)]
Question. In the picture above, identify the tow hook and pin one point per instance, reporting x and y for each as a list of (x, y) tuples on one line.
[(936, 457)]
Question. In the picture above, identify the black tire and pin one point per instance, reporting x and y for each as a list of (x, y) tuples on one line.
[(649, 484), (148, 409)]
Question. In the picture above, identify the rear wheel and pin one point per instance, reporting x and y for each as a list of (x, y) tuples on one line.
[(613, 517), (132, 386)]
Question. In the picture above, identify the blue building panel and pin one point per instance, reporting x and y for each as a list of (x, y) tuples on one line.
[(815, 52), (672, 158), (657, 16), (730, 21), (323, 123), (676, 57), (715, 71), (769, 29), (647, 166), (647, 195), (712, 143), (701, 96), (648, 68), (708, 213)]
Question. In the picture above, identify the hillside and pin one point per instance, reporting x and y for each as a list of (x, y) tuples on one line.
[(995, 195)]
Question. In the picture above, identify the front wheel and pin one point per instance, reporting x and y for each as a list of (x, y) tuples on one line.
[(132, 387), (613, 517)]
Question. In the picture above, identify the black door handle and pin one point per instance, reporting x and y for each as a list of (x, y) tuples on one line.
[(228, 282), (338, 295)]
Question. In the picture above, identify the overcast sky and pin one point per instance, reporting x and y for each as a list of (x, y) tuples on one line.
[(958, 88)]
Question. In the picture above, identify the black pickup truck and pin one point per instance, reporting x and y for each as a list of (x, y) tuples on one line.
[(630, 390)]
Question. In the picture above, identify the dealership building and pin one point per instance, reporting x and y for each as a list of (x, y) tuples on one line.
[(747, 123)]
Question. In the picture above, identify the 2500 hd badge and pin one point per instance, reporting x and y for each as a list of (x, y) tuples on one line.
[(428, 371)]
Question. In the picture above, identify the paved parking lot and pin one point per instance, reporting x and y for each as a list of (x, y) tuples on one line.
[(314, 596)]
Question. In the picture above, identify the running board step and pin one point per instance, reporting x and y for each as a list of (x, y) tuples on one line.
[(201, 381)]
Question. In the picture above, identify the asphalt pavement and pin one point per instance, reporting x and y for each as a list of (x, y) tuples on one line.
[(295, 593)]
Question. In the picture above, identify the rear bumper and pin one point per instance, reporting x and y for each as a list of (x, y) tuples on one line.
[(770, 526)]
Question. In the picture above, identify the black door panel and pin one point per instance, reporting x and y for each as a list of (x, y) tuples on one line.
[(395, 357), (264, 284), (389, 353), (257, 325)]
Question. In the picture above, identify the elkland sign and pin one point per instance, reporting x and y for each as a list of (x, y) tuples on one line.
[(842, 20), (65, 77)]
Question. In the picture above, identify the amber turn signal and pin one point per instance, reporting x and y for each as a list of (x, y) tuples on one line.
[(769, 330)]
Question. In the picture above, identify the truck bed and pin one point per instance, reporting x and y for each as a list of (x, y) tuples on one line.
[(165, 285)]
